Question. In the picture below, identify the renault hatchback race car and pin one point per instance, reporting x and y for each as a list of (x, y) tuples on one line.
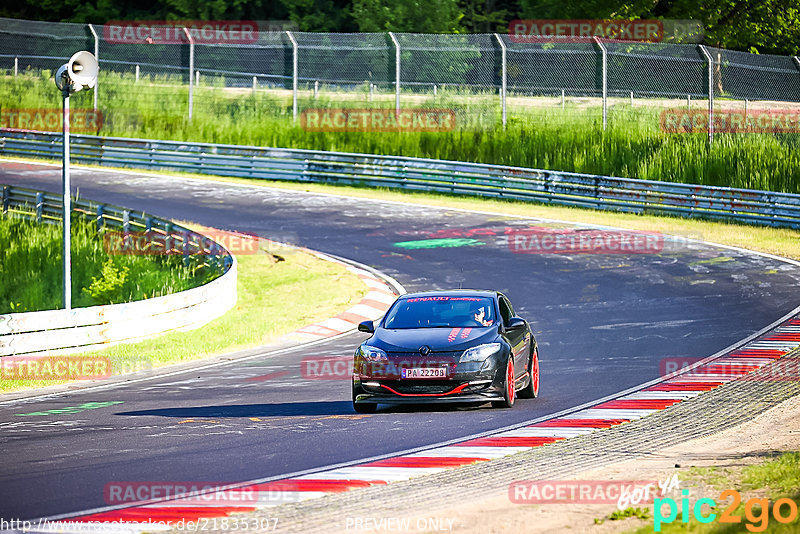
[(446, 346)]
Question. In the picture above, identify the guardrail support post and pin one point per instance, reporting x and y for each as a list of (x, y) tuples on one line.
[(191, 71), (710, 93), (6, 199), (100, 218), (604, 53), (96, 55), (39, 206), (396, 73), (503, 81), (294, 74)]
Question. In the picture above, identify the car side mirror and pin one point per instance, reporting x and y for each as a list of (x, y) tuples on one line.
[(366, 326), (515, 323)]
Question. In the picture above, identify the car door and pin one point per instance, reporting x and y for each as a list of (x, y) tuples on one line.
[(519, 339)]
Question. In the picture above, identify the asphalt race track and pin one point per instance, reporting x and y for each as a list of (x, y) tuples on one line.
[(604, 322)]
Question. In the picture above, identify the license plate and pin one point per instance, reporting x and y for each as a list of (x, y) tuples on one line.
[(424, 372)]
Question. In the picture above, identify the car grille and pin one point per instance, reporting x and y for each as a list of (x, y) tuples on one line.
[(412, 387)]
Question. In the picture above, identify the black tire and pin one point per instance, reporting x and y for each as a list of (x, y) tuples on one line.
[(509, 391), (363, 407), (531, 390)]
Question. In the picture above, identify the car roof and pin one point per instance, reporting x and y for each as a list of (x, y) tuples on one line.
[(453, 293)]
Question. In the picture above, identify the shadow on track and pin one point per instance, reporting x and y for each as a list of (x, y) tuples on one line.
[(289, 409)]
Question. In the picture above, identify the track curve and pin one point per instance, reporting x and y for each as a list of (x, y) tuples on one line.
[(604, 322)]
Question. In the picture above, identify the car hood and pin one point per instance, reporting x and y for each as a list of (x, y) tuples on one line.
[(438, 339)]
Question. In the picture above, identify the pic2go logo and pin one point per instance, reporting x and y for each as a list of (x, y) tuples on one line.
[(756, 511)]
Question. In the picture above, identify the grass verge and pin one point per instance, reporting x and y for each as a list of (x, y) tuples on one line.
[(316, 289), (31, 272), (539, 134)]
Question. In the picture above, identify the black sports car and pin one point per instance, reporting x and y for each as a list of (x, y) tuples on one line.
[(446, 346)]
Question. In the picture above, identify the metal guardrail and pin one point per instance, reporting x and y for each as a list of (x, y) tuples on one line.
[(64, 331), (417, 174)]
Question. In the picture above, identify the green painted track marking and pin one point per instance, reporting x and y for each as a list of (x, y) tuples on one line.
[(72, 409), (439, 243)]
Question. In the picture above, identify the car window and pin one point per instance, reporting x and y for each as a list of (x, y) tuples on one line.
[(441, 312), (505, 310)]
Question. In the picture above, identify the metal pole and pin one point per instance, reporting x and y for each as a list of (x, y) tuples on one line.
[(710, 93), (562, 99), (371, 91), (797, 61), (197, 79), (605, 80), (316, 89), (16, 65), (294, 75), (97, 56), (396, 73), (255, 84), (67, 207), (191, 71), (503, 81), (631, 98)]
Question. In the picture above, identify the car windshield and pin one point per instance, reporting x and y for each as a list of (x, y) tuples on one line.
[(441, 312)]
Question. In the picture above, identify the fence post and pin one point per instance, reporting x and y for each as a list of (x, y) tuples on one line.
[(710, 93), (503, 82), (294, 75), (96, 55), (396, 73), (16, 66), (137, 72), (6, 198), (191, 71), (603, 50), (255, 83)]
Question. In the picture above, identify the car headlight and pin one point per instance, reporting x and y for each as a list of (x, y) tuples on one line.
[(372, 354), (479, 353)]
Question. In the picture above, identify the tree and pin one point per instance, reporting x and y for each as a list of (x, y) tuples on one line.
[(416, 16)]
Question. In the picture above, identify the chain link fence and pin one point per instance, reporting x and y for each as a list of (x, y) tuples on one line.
[(483, 73)]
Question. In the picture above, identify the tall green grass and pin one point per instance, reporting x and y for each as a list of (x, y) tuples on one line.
[(31, 272), (538, 134)]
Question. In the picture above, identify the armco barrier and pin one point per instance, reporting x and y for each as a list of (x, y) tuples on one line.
[(64, 331), (417, 174)]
